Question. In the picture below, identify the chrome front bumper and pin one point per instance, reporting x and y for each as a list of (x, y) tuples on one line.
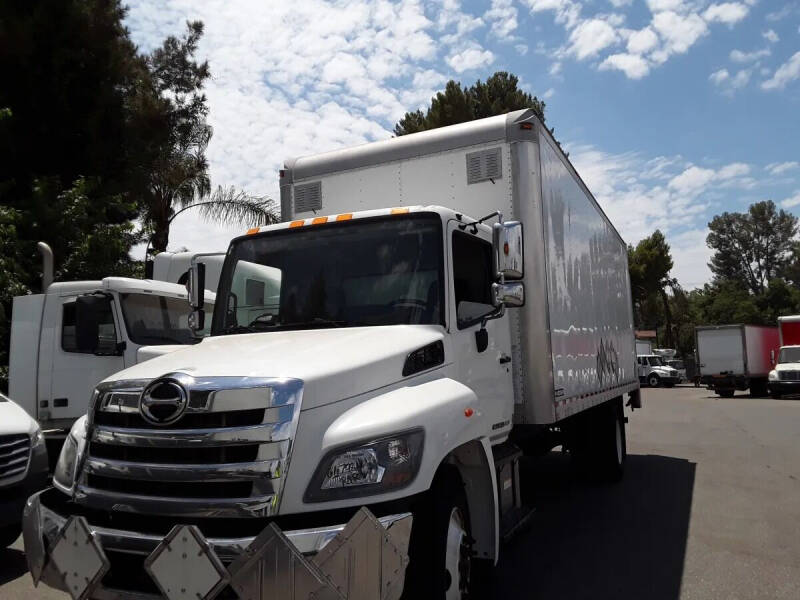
[(41, 526)]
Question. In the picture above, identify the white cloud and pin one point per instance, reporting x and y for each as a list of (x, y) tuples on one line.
[(720, 76), (664, 5), (567, 12), (692, 181), (690, 257), (642, 41), (786, 73), (620, 3), (470, 58), (793, 201), (726, 12), (633, 65), (784, 167), (743, 57), (522, 49), (680, 32), (549, 94), (590, 37), (733, 170), (503, 17), (771, 36)]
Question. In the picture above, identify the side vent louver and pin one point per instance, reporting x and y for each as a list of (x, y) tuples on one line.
[(484, 165), (308, 197)]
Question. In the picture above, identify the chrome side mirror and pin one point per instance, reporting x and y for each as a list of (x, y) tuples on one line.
[(510, 294), (508, 250), (196, 287)]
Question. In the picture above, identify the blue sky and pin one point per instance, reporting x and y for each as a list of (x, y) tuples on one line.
[(672, 110)]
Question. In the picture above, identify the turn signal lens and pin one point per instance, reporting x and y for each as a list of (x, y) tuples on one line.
[(296, 223), (319, 220), (253, 230), (344, 217), (399, 211)]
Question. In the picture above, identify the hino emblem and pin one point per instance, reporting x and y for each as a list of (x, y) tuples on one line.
[(163, 402)]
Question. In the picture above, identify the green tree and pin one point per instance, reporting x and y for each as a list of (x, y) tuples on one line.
[(754, 247), (458, 104), (649, 264)]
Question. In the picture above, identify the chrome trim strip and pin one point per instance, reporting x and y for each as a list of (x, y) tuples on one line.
[(256, 506), (122, 469), (182, 438)]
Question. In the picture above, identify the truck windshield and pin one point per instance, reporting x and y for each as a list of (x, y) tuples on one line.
[(157, 320), (384, 271), (655, 361), (789, 355)]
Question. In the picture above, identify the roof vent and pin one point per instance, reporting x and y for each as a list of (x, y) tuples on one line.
[(484, 165), (308, 197)]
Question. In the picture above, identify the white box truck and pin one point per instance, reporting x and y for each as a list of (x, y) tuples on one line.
[(374, 350), (736, 357)]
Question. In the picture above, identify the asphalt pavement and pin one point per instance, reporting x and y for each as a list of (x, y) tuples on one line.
[(709, 509)]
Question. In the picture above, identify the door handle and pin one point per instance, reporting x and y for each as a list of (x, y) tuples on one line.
[(504, 358)]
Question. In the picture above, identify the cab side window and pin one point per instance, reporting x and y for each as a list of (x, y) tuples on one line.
[(473, 275), (69, 341)]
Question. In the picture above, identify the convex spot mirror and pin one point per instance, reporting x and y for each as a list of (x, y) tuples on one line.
[(508, 249), (510, 294)]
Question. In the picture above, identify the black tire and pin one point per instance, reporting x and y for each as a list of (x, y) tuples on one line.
[(9, 534), (726, 393), (653, 380), (427, 575), (597, 444)]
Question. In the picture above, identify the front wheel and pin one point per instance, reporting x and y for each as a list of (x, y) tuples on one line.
[(726, 393), (653, 380), (440, 550)]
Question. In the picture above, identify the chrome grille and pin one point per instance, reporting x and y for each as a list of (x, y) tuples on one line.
[(226, 455), (789, 375), (15, 451)]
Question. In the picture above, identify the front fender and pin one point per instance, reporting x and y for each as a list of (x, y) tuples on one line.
[(446, 409)]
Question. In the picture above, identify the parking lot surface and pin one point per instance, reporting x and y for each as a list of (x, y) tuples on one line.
[(709, 509)]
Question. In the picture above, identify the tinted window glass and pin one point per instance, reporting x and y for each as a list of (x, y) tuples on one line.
[(473, 275), (108, 332), (157, 320)]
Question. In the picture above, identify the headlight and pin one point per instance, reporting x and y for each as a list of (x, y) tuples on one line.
[(374, 467), (37, 437), (773, 376), (70, 457)]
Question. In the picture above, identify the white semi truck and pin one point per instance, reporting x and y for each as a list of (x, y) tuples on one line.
[(76, 333), (374, 350)]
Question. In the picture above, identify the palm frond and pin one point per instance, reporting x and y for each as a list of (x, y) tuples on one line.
[(229, 206)]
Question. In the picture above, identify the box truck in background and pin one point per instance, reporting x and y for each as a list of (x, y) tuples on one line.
[(785, 377), (374, 350), (644, 347), (736, 357)]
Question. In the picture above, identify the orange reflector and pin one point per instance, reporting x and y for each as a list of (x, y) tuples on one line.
[(344, 217), (468, 412), (505, 248), (526, 125), (252, 230), (399, 211), (319, 220), (296, 223)]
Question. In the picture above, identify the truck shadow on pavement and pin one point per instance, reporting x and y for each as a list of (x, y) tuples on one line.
[(594, 541), (12, 564)]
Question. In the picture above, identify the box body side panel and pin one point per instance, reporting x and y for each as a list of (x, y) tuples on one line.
[(588, 291), (762, 344), (721, 350)]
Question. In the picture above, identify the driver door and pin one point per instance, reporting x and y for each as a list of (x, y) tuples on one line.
[(487, 372)]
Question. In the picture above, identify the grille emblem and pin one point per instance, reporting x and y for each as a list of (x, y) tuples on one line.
[(163, 402)]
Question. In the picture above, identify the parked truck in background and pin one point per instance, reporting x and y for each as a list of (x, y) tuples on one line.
[(373, 350), (655, 372), (644, 347), (736, 357), (76, 333), (785, 377)]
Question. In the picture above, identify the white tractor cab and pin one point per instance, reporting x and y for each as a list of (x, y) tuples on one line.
[(79, 332), (375, 370), (654, 372), (173, 267), (784, 379), (670, 359)]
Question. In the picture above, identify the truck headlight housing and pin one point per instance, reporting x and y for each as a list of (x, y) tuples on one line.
[(363, 469), (70, 457), (773, 376)]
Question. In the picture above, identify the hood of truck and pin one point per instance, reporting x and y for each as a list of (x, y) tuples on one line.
[(147, 352), (334, 364), (13, 419), (787, 367)]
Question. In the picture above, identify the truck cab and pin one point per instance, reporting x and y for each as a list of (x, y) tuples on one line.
[(784, 379), (77, 333), (655, 372)]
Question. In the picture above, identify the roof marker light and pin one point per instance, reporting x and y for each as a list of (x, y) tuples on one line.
[(399, 211), (344, 217), (296, 223), (253, 230), (319, 220), (527, 126)]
